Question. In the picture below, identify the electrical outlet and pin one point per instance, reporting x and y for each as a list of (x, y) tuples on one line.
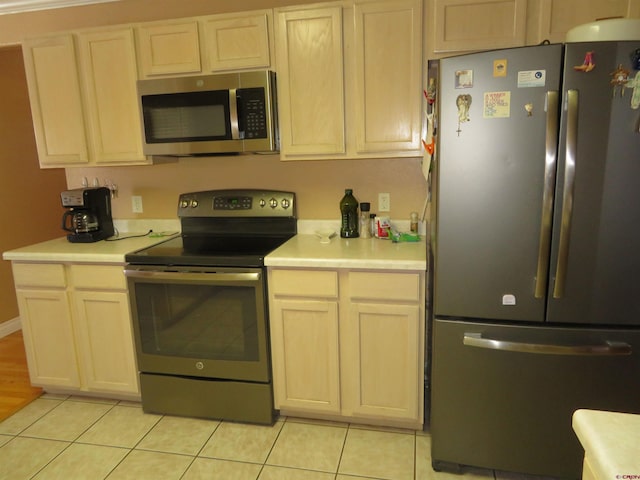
[(384, 202), (136, 204)]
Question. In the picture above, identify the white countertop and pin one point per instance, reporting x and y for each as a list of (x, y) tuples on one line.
[(61, 250), (303, 250), (611, 440), (307, 250)]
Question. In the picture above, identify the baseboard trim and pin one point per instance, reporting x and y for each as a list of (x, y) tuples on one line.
[(10, 326)]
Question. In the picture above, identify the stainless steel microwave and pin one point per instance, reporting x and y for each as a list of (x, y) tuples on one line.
[(212, 114)]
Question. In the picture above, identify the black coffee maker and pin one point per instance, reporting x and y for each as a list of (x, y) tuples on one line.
[(89, 215)]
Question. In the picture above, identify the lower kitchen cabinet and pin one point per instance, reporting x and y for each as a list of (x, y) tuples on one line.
[(348, 344), (104, 338), (304, 334), (382, 361), (48, 337), (77, 327)]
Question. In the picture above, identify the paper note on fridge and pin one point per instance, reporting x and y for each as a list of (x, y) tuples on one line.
[(531, 78), (497, 105)]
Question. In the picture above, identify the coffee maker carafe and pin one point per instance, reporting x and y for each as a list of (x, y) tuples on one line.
[(89, 216)]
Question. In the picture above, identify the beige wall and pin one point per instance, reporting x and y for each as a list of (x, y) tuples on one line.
[(319, 185), (30, 209)]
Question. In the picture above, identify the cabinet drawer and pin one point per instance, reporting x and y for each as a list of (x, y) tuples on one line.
[(385, 286), (39, 275), (109, 277), (304, 283)]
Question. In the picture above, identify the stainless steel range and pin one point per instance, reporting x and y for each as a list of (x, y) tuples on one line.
[(199, 306)]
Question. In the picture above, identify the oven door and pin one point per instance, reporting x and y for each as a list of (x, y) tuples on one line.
[(200, 322)]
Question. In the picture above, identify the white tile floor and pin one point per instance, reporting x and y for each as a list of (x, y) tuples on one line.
[(75, 438)]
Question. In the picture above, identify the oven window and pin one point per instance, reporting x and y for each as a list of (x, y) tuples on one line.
[(198, 321)]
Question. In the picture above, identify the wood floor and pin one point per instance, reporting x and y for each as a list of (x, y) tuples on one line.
[(15, 388)]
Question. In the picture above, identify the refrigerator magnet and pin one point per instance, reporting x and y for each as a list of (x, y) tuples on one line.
[(619, 78), (635, 91), (464, 78), (463, 103), (587, 64), (497, 105), (532, 78), (528, 107), (500, 68), (635, 59)]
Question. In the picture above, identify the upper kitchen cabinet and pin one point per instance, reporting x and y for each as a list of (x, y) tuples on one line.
[(82, 89), (237, 41), (56, 102), (349, 78), (168, 48), (557, 17), (388, 39), (107, 60), (310, 82), (467, 25), (209, 44)]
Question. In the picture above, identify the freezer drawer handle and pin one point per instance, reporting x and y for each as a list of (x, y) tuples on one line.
[(608, 348)]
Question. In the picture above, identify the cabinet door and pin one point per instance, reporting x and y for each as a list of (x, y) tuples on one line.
[(557, 17), (237, 42), (171, 48), (388, 48), (48, 337), (56, 102), (105, 341), (382, 361), (469, 25), (310, 81), (304, 337), (109, 72)]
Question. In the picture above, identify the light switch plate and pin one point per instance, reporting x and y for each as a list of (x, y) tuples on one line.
[(384, 202)]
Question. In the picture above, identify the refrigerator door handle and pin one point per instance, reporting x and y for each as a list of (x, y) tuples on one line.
[(609, 348), (551, 154), (567, 194)]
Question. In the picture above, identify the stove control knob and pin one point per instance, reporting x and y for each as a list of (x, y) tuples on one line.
[(273, 203), (194, 203), (184, 203), (285, 203)]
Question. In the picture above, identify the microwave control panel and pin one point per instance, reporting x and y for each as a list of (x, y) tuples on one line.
[(254, 112)]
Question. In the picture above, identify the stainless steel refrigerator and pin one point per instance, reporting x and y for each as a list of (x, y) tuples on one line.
[(536, 252)]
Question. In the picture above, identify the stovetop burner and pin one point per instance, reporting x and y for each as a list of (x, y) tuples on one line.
[(225, 228)]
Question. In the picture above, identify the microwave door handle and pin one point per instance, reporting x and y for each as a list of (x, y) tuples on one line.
[(233, 114)]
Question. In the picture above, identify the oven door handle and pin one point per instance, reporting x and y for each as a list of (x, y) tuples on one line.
[(194, 276)]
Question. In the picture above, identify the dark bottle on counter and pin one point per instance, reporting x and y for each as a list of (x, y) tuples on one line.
[(349, 213)]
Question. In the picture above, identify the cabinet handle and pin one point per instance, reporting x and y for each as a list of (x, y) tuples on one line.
[(608, 348)]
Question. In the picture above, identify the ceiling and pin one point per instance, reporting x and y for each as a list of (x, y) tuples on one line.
[(16, 6)]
